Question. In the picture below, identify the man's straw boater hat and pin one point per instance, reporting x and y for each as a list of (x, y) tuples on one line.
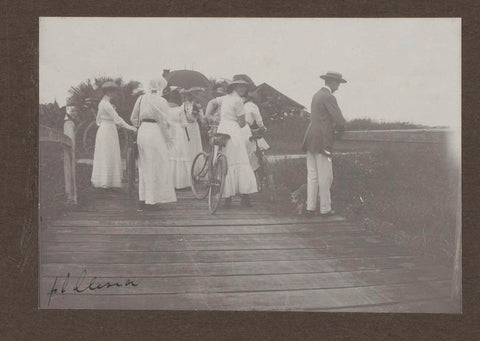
[(333, 75)]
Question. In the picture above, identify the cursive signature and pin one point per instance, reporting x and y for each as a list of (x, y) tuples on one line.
[(82, 284)]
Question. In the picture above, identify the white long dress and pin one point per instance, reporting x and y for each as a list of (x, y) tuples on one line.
[(180, 155), (155, 183), (240, 178), (107, 165), (193, 129), (252, 115)]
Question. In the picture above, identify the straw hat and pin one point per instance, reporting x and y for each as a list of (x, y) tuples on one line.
[(240, 80), (333, 75), (247, 79)]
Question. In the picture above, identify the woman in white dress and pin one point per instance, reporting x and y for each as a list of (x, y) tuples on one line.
[(240, 178), (193, 113), (107, 165), (212, 111), (180, 155), (254, 121), (151, 114)]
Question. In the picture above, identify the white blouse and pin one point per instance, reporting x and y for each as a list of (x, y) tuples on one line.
[(152, 106), (252, 114), (232, 107), (106, 112)]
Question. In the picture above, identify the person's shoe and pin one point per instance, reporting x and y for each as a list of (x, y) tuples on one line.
[(309, 214), (228, 203), (245, 202), (328, 214)]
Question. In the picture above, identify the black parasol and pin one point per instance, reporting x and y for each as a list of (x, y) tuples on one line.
[(187, 79)]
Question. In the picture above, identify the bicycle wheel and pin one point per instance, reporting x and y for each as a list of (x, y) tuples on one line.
[(217, 183), (199, 175), (269, 182)]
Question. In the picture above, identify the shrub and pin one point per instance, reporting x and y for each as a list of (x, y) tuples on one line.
[(370, 124), (51, 115)]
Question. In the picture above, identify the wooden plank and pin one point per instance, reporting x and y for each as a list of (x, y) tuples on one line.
[(338, 237), (193, 222), (205, 256), (245, 229), (441, 304), (317, 299), (235, 268), (240, 244)]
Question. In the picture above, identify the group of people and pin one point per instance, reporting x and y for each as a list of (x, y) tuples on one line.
[(168, 139)]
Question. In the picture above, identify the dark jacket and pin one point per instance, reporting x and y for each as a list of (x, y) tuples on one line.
[(325, 118)]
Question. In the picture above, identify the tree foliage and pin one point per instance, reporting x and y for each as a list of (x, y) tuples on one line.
[(51, 115), (86, 96)]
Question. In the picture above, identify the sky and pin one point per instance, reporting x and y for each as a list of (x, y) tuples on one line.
[(396, 69)]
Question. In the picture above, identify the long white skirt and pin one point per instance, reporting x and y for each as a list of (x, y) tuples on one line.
[(240, 178), (155, 180), (180, 157), (195, 143), (252, 147), (107, 164)]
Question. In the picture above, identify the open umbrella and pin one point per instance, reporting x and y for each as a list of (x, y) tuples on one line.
[(187, 79)]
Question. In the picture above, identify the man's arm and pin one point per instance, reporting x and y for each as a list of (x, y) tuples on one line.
[(335, 112)]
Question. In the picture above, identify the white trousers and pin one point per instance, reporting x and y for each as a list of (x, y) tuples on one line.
[(319, 181)]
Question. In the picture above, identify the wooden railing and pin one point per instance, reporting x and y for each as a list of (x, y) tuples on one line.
[(67, 140), (379, 139)]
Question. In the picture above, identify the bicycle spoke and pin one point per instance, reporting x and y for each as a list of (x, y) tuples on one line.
[(217, 183), (200, 175)]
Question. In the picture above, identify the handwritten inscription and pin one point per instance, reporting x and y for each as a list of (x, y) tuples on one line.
[(82, 284)]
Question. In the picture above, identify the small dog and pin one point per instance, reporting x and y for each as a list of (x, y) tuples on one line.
[(299, 197)]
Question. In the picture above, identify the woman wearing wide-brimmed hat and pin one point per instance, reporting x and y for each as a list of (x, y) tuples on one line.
[(107, 165), (254, 121), (151, 113), (240, 178), (180, 153)]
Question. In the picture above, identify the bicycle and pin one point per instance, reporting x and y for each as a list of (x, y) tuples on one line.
[(209, 170), (263, 174)]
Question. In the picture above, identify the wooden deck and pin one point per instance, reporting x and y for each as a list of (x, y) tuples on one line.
[(105, 255)]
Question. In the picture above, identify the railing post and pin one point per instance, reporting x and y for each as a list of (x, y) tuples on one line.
[(69, 159)]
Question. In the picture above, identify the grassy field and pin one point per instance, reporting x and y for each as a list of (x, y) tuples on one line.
[(410, 194)]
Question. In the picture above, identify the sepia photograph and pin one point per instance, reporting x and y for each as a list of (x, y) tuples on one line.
[(250, 164)]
